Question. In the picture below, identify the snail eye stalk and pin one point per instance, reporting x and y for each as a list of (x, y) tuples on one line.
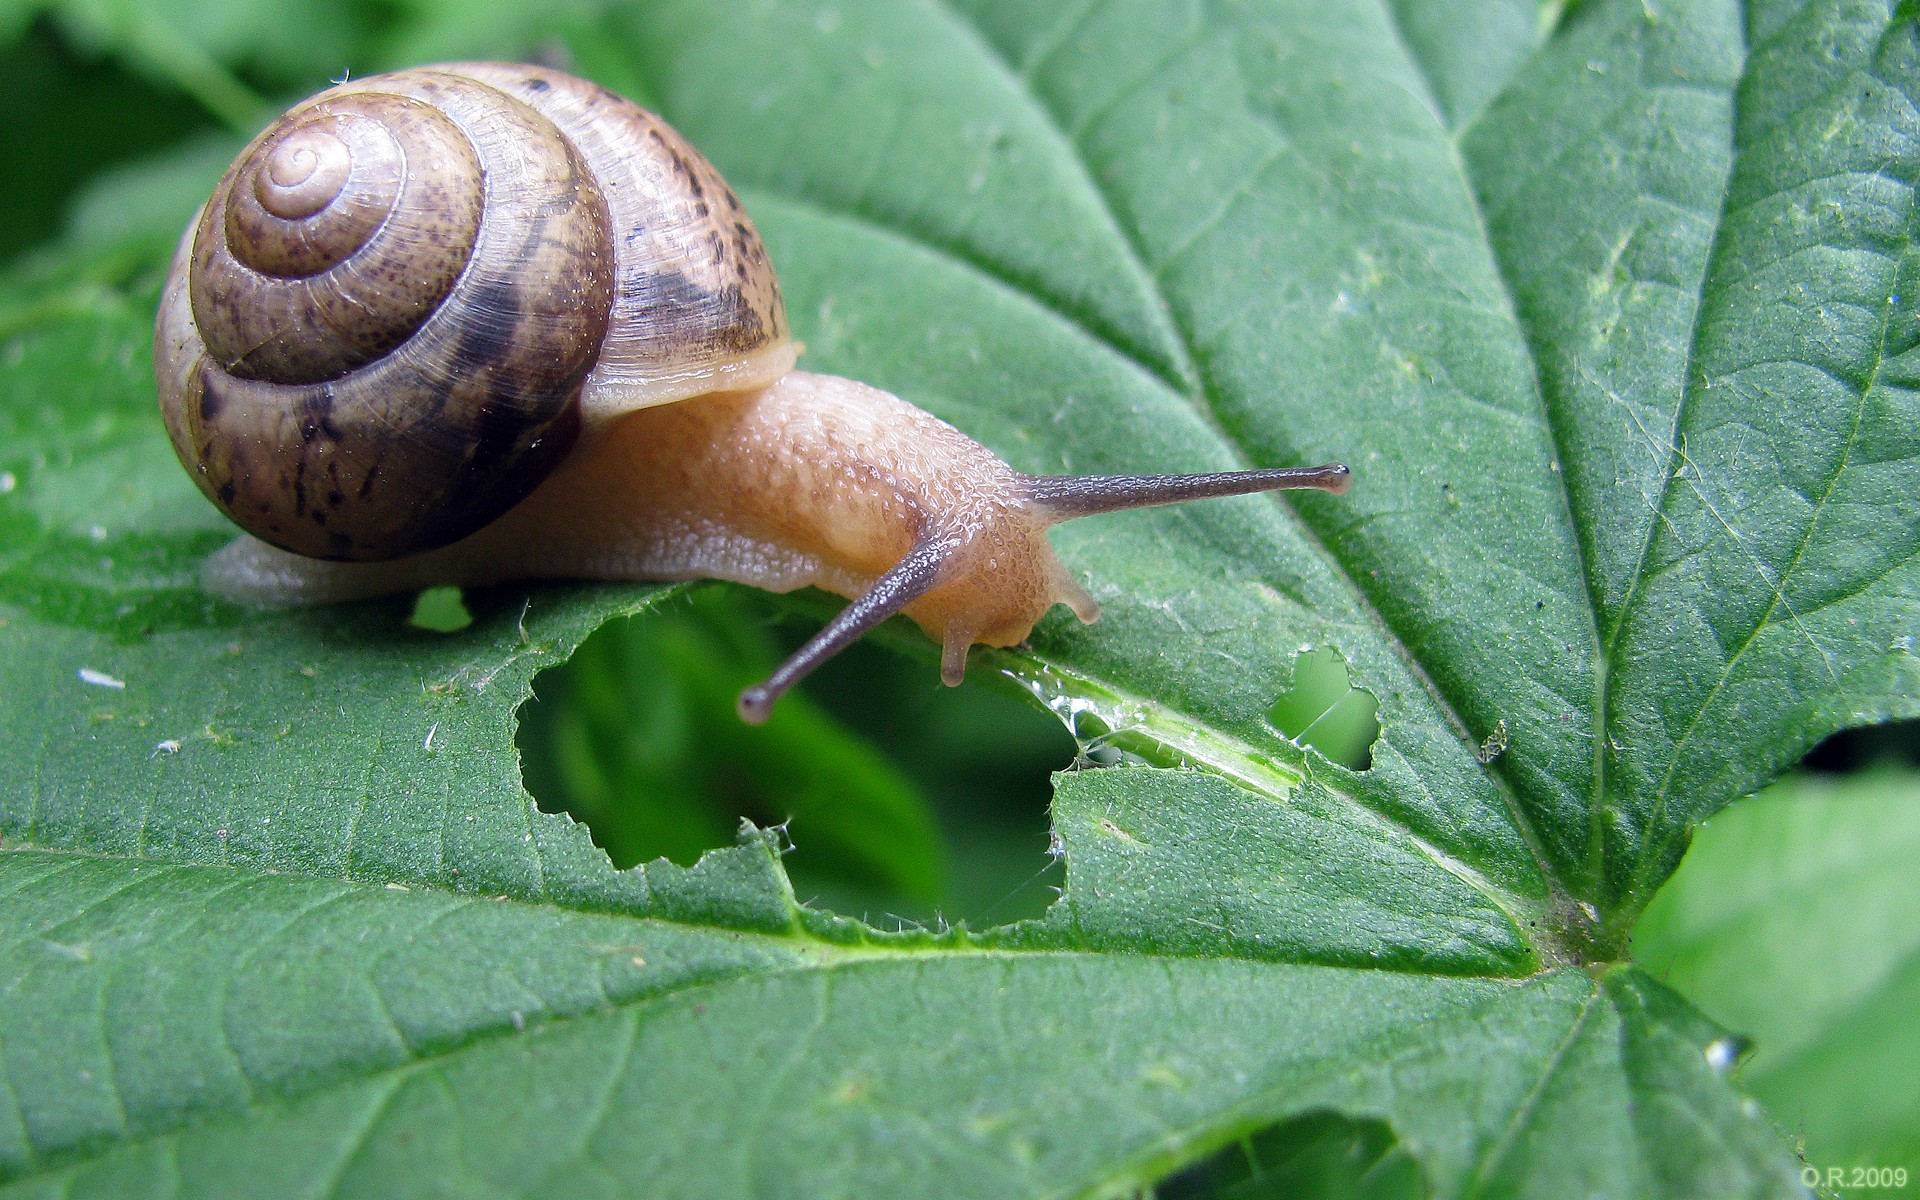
[(1053, 498), (912, 578)]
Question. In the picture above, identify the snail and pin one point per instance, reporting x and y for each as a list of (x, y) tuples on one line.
[(483, 322)]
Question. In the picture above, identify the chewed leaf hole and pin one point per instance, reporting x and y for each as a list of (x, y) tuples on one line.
[(905, 802), (440, 610), (1319, 1154), (1894, 745), (1323, 710)]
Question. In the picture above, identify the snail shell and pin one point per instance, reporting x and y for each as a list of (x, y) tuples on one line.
[(414, 293)]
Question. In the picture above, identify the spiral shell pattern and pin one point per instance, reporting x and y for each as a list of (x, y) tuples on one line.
[(337, 236), (403, 301)]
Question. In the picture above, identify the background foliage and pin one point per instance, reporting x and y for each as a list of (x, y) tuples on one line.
[(1607, 304)]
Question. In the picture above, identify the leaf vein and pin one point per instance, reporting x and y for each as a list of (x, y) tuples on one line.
[(1206, 407), (355, 1143), (997, 59), (1490, 1161), (1555, 423)]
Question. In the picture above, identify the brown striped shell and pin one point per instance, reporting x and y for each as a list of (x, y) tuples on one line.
[(412, 295)]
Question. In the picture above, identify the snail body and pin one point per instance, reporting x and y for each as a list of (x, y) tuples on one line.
[(485, 322)]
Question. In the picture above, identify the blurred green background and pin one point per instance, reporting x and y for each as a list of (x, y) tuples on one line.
[(904, 801)]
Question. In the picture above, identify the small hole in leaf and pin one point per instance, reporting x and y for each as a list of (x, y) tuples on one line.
[(905, 801), (441, 610), (1325, 711), (1317, 1155)]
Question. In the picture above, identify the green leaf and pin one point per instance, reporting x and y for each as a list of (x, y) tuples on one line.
[(1792, 921), (333, 1038), (1776, 593), (1607, 308)]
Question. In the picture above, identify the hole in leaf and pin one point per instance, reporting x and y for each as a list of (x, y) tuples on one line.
[(441, 610), (1896, 743), (905, 801), (1323, 710), (1312, 1156)]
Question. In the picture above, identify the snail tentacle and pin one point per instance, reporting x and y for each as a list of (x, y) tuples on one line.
[(911, 578), (483, 323), (1072, 496)]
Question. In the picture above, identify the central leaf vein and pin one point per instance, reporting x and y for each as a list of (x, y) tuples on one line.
[(1200, 397)]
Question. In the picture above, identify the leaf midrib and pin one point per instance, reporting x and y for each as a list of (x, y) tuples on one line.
[(825, 958), (1550, 418), (1201, 401)]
